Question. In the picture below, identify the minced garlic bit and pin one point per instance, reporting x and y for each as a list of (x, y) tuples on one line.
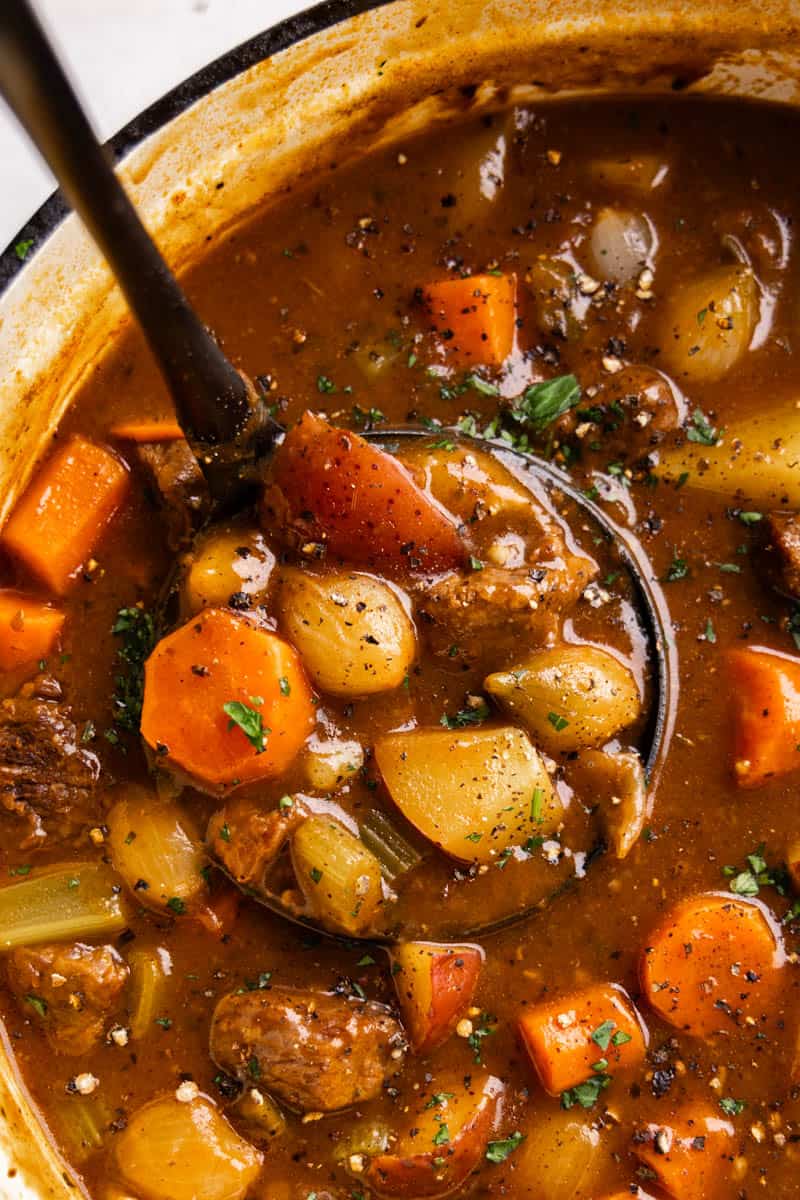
[(554, 157), (96, 836), (612, 364), (588, 286), (402, 159), (187, 1091), (356, 1163), (119, 1036), (85, 1084), (464, 1028)]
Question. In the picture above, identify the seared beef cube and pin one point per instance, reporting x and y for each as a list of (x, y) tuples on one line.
[(315, 1051), (71, 990), (46, 779), (782, 530), (179, 486)]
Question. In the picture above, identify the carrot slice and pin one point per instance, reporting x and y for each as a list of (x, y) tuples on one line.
[(716, 962), (57, 523), (475, 317), (28, 629), (218, 659), (338, 489), (691, 1156), (766, 726), (147, 431), (435, 984), (567, 1039)]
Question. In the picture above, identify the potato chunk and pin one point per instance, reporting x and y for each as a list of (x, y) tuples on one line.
[(709, 323), (569, 697), (352, 631), (173, 1150), (474, 793), (231, 563)]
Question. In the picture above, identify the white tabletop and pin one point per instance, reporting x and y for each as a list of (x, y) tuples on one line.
[(123, 56)]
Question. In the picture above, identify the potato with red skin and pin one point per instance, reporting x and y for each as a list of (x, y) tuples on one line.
[(330, 486), (448, 1142), (435, 984)]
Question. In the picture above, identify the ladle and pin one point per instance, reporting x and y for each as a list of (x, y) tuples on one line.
[(225, 419)]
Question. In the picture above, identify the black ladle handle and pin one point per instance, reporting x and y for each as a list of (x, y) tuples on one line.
[(214, 403)]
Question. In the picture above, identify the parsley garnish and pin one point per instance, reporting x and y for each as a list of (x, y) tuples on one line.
[(439, 1099), (750, 518), (585, 1094), (38, 1005), (731, 1107), (602, 1035), (701, 430), (325, 385), (677, 569), (315, 874), (249, 721), (498, 1152), (557, 721), (442, 1136), (482, 1030), (22, 248), (136, 629), (465, 716), (542, 403), (482, 385), (177, 905), (285, 686)]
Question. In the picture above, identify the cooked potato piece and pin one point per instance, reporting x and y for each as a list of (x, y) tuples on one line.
[(622, 244), (174, 1150), (352, 631), (340, 877), (568, 697), (465, 479), (229, 560), (474, 793), (757, 459), (557, 1156), (156, 851), (708, 323), (329, 765), (616, 783)]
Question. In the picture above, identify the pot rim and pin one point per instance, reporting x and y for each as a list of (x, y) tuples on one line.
[(280, 36)]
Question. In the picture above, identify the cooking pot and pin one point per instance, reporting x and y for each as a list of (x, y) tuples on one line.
[(299, 100)]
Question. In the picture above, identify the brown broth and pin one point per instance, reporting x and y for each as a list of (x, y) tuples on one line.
[(302, 294)]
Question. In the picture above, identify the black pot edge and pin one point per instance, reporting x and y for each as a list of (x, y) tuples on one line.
[(278, 37)]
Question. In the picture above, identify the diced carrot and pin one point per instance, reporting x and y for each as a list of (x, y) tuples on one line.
[(57, 524), (225, 702), (716, 962), (475, 317), (571, 1039), (435, 984), (147, 431), (28, 629), (765, 687), (691, 1156), (335, 488)]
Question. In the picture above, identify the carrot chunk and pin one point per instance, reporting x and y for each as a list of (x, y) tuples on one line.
[(225, 702), (475, 317), (583, 1034), (57, 523), (338, 489), (715, 963), (766, 726), (147, 431), (435, 984), (28, 629), (691, 1156)]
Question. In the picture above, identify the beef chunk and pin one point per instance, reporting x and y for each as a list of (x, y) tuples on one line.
[(315, 1051), (247, 839), (180, 488), (782, 552), (46, 780), (69, 989), (521, 602)]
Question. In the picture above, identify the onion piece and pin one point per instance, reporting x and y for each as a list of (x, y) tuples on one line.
[(709, 323), (156, 851), (174, 1150), (62, 903), (340, 878), (622, 244), (146, 994), (81, 1123)]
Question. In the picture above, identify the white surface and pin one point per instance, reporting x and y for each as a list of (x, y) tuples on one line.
[(123, 55)]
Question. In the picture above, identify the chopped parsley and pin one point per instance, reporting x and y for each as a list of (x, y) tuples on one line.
[(315, 874), (439, 1099), (176, 905), (22, 249), (677, 569), (558, 721), (750, 518), (483, 1029), (602, 1035), (442, 1136), (285, 686), (38, 1004), (585, 1094), (701, 430), (731, 1107), (249, 721), (224, 832), (476, 564), (465, 716), (498, 1152), (135, 628), (542, 403), (325, 385)]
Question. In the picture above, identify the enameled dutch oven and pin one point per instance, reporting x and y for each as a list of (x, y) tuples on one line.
[(299, 99)]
